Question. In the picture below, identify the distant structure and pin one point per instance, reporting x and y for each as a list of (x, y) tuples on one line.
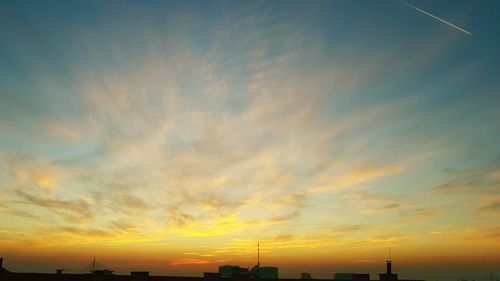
[(139, 275), (226, 273), (237, 272), (266, 272), (2, 270), (233, 271), (388, 276), (99, 272), (340, 276), (60, 270), (305, 275)]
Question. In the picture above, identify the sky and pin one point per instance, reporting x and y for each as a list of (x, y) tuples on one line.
[(175, 136)]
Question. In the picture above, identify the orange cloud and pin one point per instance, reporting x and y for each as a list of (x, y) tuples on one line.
[(61, 129), (360, 175), (371, 172), (192, 262), (490, 204), (40, 174), (219, 226)]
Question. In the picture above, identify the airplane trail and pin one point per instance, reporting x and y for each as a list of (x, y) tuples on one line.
[(439, 19)]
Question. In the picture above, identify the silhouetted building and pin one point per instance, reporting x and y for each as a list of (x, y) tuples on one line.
[(235, 271), (305, 275), (388, 276), (211, 276), (231, 273), (264, 272), (139, 275), (3, 271), (102, 272), (1, 266), (340, 276)]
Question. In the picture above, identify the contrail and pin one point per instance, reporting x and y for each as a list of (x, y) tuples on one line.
[(439, 19)]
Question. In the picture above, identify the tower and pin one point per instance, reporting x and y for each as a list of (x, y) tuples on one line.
[(388, 276)]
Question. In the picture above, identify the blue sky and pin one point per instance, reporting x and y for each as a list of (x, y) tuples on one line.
[(317, 128)]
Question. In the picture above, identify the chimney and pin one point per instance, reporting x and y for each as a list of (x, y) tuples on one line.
[(1, 262), (59, 271), (389, 267)]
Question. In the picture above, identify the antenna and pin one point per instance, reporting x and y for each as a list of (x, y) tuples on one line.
[(390, 252), (93, 265), (258, 253)]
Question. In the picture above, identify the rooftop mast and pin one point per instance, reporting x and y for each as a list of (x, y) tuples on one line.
[(258, 254)]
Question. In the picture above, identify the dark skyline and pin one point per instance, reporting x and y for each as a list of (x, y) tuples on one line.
[(225, 272)]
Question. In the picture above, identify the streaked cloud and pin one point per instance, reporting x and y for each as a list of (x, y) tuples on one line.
[(490, 204), (180, 262), (76, 211), (422, 214)]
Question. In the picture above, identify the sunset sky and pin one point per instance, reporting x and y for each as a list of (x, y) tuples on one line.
[(174, 136)]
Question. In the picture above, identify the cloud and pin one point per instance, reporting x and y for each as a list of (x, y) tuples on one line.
[(85, 232), (366, 261), (178, 217), (180, 262), (390, 206), (217, 226), (123, 226), (490, 233), (62, 129), (198, 158), (33, 172), (19, 213), (134, 202), (479, 186), (490, 204), (366, 197), (286, 217), (76, 211), (471, 182), (377, 240), (349, 228), (494, 174), (420, 213), (387, 207), (370, 173), (359, 175)]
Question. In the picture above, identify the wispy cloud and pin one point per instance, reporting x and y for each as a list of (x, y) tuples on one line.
[(181, 262), (491, 233), (77, 211), (349, 228), (490, 204), (421, 213)]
